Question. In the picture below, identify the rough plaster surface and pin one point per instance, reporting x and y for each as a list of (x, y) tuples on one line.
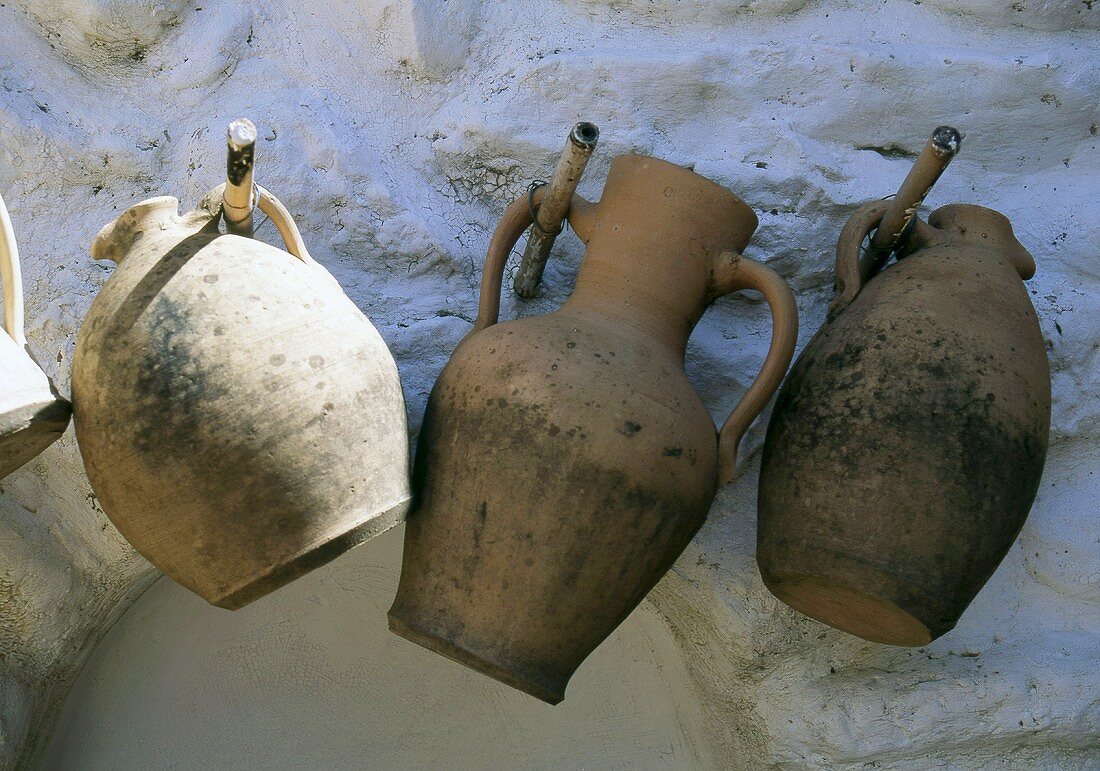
[(397, 133)]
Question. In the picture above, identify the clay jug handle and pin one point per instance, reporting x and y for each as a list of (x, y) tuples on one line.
[(11, 278), (852, 271), (738, 272), (210, 208), (284, 223), (515, 221), (517, 218)]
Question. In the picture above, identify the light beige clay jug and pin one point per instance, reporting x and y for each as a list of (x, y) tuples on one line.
[(241, 421), (32, 415)]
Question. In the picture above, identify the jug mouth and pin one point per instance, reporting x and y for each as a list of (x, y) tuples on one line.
[(116, 237), (659, 189), (689, 180), (987, 227)]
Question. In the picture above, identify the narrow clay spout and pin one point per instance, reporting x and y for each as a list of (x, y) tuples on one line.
[(117, 238)]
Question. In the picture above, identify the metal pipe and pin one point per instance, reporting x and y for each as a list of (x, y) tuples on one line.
[(942, 147), (239, 200), (554, 206)]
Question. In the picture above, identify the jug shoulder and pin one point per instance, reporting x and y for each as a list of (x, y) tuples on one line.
[(580, 361)]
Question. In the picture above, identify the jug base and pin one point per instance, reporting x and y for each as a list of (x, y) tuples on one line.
[(851, 610), (535, 684), (312, 557), (851, 595)]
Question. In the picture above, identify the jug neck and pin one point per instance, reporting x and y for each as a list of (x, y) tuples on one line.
[(653, 243), (974, 226)]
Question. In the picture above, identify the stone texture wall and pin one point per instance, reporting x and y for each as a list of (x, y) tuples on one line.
[(397, 132)]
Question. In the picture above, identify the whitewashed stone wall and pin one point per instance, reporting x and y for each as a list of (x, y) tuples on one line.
[(397, 132)]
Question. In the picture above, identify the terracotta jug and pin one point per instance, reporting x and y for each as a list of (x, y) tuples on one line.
[(905, 449), (565, 461), (240, 420), (32, 415)]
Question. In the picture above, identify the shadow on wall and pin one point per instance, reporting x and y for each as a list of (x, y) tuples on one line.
[(311, 677)]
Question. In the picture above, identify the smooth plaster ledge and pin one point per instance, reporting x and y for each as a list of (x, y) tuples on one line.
[(310, 676)]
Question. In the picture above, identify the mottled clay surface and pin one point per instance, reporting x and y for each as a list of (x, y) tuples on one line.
[(397, 143)]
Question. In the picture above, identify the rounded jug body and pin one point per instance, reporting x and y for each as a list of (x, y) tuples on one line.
[(240, 420), (565, 461), (563, 465), (907, 444), (32, 415)]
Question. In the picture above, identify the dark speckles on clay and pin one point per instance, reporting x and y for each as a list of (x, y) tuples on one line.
[(586, 525), (907, 469), (277, 360), (316, 362)]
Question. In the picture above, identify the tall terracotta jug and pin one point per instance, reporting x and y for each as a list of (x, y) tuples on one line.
[(32, 415), (565, 461), (906, 447), (240, 420)]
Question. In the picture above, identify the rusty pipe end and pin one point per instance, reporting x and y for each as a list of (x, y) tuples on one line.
[(946, 141), (238, 200), (585, 135), (241, 132), (241, 139)]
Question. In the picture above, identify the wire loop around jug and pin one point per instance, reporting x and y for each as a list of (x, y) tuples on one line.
[(534, 209), (211, 207), (557, 198)]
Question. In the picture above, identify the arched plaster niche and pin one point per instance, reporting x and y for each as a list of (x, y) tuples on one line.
[(397, 165), (311, 677)]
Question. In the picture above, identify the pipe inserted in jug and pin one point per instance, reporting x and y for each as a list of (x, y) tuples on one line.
[(555, 204), (942, 147), (238, 200)]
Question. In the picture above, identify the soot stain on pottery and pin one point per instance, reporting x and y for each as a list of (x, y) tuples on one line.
[(173, 373)]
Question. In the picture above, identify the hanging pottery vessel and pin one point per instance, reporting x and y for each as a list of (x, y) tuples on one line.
[(565, 460), (906, 446), (32, 415), (240, 420)]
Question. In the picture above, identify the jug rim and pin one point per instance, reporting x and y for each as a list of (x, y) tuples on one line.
[(674, 169)]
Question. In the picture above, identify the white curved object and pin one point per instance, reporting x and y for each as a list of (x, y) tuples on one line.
[(32, 415)]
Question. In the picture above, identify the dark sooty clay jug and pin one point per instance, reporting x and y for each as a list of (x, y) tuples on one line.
[(565, 460), (906, 446), (240, 420)]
